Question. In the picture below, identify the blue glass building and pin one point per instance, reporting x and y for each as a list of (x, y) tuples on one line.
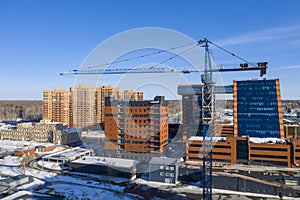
[(257, 109)]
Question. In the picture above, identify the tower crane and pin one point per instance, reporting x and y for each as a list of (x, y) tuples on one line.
[(243, 67), (208, 98)]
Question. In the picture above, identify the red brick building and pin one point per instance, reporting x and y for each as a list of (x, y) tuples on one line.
[(24, 151), (46, 147)]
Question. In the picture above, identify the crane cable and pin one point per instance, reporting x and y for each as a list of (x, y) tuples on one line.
[(173, 57), (145, 55), (232, 54)]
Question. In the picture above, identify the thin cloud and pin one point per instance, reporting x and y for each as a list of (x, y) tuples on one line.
[(287, 67), (263, 35), (294, 43)]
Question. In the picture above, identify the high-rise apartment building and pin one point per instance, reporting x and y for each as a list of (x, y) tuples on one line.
[(257, 109), (107, 91), (101, 93), (135, 127), (131, 95), (55, 106), (82, 106)]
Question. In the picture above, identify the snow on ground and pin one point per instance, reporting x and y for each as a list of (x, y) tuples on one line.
[(93, 134), (28, 186), (10, 171), (87, 182), (103, 177), (72, 187), (51, 165), (11, 161), (55, 178), (259, 168), (11, 145), (39, 174), (82, 192), (13, 171), (19, 194), (57, 149), (153, 183)]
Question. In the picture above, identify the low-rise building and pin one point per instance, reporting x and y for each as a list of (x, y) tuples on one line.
[(269, 152), (224, 149), (46, 147), (292, 131), (24, 151), (296, 153), (247, 150), (118, 167), (44, 131), (67, 155), (162, 169), (13, 182), (226, 130)]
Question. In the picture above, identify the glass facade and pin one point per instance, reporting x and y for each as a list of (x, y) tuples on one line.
[(242, 151), (257, 109)]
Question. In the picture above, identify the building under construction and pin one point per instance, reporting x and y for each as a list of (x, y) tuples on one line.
[(135, 129)]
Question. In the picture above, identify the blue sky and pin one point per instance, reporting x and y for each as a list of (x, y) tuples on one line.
[(41, 38)]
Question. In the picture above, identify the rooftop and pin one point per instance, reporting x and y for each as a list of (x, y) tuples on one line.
[(24, 148), (14, 178), (163, 160), (251, 139), (106, 161), (6, 126), (69, 153), (267, 140), (214, 139), (46, 144)]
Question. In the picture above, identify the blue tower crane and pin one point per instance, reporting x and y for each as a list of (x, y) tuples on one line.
[(208, 99)]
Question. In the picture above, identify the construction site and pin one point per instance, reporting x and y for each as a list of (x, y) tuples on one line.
[(251, 137)]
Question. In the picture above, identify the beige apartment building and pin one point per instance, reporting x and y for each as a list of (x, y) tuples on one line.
[(56, 105), (82, 106), (102, 92)]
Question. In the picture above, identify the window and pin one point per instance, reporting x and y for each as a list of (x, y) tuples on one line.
[(172, 175), (172, 168), (167, 168), (167, 174), (161, 167), (161, 174)]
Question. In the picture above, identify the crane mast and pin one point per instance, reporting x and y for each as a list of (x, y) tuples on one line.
[(207, 123)]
